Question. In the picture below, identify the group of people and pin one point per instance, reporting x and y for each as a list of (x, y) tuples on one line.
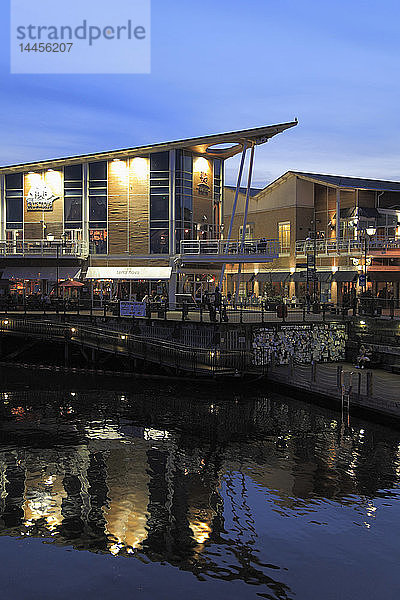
[(214, 304)]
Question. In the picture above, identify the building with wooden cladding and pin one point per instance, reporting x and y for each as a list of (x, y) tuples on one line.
[(325, 218), (126, 209)]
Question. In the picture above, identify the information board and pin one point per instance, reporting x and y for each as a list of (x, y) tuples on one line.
[(132, 309)]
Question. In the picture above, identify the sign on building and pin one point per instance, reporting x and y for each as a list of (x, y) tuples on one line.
[(40, 197), (132, 309)]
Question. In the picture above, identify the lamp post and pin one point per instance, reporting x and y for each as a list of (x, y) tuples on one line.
[(368, 233), (314, 277)]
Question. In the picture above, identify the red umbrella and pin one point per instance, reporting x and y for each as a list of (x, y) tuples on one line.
[(71, 284)]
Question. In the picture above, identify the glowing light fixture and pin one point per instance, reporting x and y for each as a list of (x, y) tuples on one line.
[(334, 269), (201, 165), (140, 167)]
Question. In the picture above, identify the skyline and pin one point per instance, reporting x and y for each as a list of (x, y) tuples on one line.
[(329, 67)]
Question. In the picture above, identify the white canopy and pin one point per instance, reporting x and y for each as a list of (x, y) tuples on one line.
[(129, 273)]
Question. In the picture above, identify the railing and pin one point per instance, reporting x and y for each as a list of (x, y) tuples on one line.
[(220, 247), (263, 311), (350, 386), (202, 361), (46, 248), (343, 246)]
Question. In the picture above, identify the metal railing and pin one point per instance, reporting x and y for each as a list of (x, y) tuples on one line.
[(350, 386), (46, 248), (346, 246), (202, 361), (220, 247)]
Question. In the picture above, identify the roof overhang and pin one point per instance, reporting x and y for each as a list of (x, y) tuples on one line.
[(201, 145)]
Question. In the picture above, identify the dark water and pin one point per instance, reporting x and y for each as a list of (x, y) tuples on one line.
[(190, 491)]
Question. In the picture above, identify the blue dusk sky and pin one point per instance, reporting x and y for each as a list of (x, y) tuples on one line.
[(222, 65)]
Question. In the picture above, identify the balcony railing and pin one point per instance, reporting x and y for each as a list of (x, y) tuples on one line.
[(343, 246), (254, 248), (56, 248)]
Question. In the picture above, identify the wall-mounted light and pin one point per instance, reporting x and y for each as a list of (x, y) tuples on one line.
[(201, 165), (334, 269), (140, 167), (292, 270)]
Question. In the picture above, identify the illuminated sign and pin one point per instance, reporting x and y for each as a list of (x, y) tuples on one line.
[(203, 189), (40, 197)]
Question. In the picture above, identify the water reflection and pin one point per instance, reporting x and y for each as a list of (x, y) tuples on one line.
[(176, 478)]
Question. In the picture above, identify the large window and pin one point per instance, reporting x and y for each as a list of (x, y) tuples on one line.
[(98, 241), (183, 196), (217, 195), (14, 201), (98, 195), (73, 197), (284, 237), (159, 202)]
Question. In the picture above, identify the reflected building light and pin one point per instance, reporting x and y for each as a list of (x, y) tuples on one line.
[(156, 434), (104, 432), (201, 531)]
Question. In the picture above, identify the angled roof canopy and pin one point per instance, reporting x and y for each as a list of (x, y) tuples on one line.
[(352, 182), (233, 143)]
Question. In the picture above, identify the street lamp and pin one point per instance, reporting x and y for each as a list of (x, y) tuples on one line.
[(368, 233)]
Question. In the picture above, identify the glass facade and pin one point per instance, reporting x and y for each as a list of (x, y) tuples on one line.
[(159, 203), (184, 197), (98, 207), (217, 195), (14, 201), (130, 210), (73, 194)]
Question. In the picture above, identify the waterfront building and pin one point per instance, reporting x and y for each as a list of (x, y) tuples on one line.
[(343, 228), (130, 221)]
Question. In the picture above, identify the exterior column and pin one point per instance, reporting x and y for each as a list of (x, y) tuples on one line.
[(338, 213)]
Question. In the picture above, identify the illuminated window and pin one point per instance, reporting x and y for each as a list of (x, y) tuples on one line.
[(98, 241), (248, 234), (284, 237)]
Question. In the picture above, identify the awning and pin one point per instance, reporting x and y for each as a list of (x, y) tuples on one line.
[(155, 273), (345, 276), (389, 276), (244, 277), (49, 273), (273, 277), (322, 276)]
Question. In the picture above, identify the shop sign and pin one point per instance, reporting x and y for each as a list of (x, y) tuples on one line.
[(203, 189), (40, 197), (132, 309)]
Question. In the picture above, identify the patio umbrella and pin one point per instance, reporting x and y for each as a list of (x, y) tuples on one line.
[(71, 284)]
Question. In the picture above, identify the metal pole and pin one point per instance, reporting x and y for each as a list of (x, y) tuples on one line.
[(239, 180), (246, 210)]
